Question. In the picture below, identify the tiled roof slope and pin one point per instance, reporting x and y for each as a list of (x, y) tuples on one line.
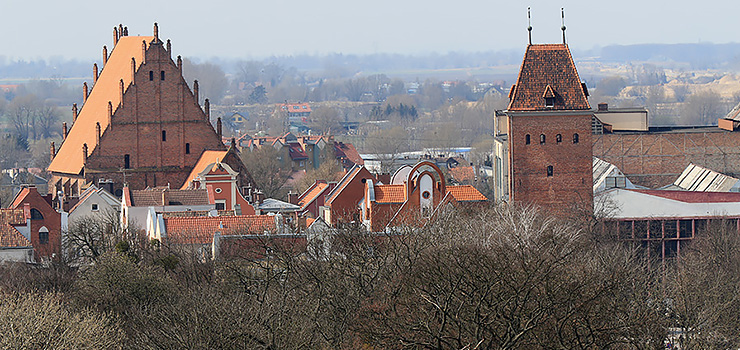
[(157, 197), (208, 157), (12, 216), (548, 65), (69, 157), (9, 236), (312, 194), (466, 194), (200, 230), (390, 194)]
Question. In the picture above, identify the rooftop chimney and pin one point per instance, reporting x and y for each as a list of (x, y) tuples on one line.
[(105, 55), (195, 92), (95, 73), (65, 131), (84, 92), (74, 112)]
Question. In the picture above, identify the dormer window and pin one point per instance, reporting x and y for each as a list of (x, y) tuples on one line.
[(549, 101)]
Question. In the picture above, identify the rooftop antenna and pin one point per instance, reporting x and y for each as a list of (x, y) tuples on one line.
[(529, 24), (562, 21)]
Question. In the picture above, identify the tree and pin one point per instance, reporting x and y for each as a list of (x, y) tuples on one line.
[(328, 171), (325, 119), (269, 171), (211, 79), (611, 86), (258, 95), (387, 145), (702, 108), (89, 237), (355, 88)]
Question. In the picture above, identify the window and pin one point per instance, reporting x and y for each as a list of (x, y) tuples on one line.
[(218, 190), (126, 161), (549, 101), (161, 75), (94, 206), (558, 138), (542, 139), (187, 148), (549, 170), (426, 194), (527, 139), (44, 235), (221, 205), (36, 214), (164, 135), (575, 138), (151, 75)]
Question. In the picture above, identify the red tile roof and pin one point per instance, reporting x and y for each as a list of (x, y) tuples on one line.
[(466, 194), (208, 157), (200, 230), (548, 70), (311, 195), (463, 173), (11, 238), (69, 157), (12, 216), (296, 151), (159, 197), (390, 193), (349, 152), (694, 196)]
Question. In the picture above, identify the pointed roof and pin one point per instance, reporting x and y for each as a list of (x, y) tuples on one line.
[(95, 110), (206, 159), (548, 70), (201, 229), (310, 195), (466, 193)]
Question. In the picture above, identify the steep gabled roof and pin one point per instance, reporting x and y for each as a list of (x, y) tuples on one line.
[(11, 238), (207, 158), (548, 70), (466, 194), (390, 193), (310, 195), (160, 197), (95, 110), (200, 230)]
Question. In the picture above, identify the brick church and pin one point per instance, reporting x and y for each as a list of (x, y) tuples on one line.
[(546, 141), (140, 123)]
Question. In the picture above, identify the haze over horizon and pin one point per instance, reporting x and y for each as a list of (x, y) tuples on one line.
[(226, 29)]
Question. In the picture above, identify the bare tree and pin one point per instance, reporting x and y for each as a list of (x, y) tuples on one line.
[(269, 172)]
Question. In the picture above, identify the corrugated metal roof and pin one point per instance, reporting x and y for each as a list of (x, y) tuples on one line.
[(700, 179)]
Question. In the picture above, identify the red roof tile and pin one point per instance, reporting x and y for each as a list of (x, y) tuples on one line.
[(12, 216), (69, 157), (463, 173), (390, 193), (466, 194), (158, 197), (311, 195), (208, 157), (296, 151), (200, 230), (349, 152), (11, 238), (548, 70)]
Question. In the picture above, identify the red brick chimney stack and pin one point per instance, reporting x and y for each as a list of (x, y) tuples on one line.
[(65, 131), (133, 70), (207, 109), (95, 73), (74, 112), (143, 52), (219, 127), (84, 153), (179, 63), (110, 112), (125, 31), (156, 31), (120, 30), (84, 92), (169, 48), (120, 89), (97, 134), (115, 36), (105, 55), (195, 92)]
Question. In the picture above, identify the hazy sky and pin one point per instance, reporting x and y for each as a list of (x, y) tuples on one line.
[(256, 29)]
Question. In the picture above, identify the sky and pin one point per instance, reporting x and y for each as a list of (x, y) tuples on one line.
[(258, 29)]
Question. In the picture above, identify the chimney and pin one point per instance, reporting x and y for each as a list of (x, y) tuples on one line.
[(164, 197), (195, 92), (97, 134), (125, 31), (115, 36), (110, 113), (95, 73), (218, 128), (120, 30), (84, 154), (238, 209), (207, 109), (169, 48), (84, 92), (65, 131), (259, 197), (179, 63), (74, 112), (293, 197), (143, 52), (233, 142), (603, 107), (105, 55), (156, 31), (53, 150)]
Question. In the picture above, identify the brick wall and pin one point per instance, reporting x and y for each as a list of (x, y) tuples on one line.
[(571, 182)]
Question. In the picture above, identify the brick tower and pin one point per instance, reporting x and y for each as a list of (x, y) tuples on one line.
[(140, 123), (549, 132)]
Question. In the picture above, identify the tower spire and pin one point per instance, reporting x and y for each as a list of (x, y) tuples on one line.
[(562, 22), (529, 24)]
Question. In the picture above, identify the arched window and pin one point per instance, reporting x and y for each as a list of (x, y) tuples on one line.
[(575, 138), (161, 75), (187, 148), (44, 235), (126, 161), (151, 75), (549, 170), (558, 138), (527, 139), (164, 135), (542, 139), (36, 214)]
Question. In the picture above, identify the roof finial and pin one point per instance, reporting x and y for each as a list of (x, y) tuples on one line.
[(529, 24), (562, 21)]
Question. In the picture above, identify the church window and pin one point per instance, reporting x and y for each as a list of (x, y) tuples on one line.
[(575, 138), (549, 170), (161, 75), (36, 214), (127, 161), (527, 139), (187, 148), (151, 75), (44, 235), (164, 135), (542, 139), (558, 138)]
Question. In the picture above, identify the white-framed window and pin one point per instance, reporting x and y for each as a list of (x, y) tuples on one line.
[(94, 207)]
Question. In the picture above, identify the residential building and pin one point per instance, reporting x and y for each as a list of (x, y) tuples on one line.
[(136, 205), (94, 202), (45, 223)]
